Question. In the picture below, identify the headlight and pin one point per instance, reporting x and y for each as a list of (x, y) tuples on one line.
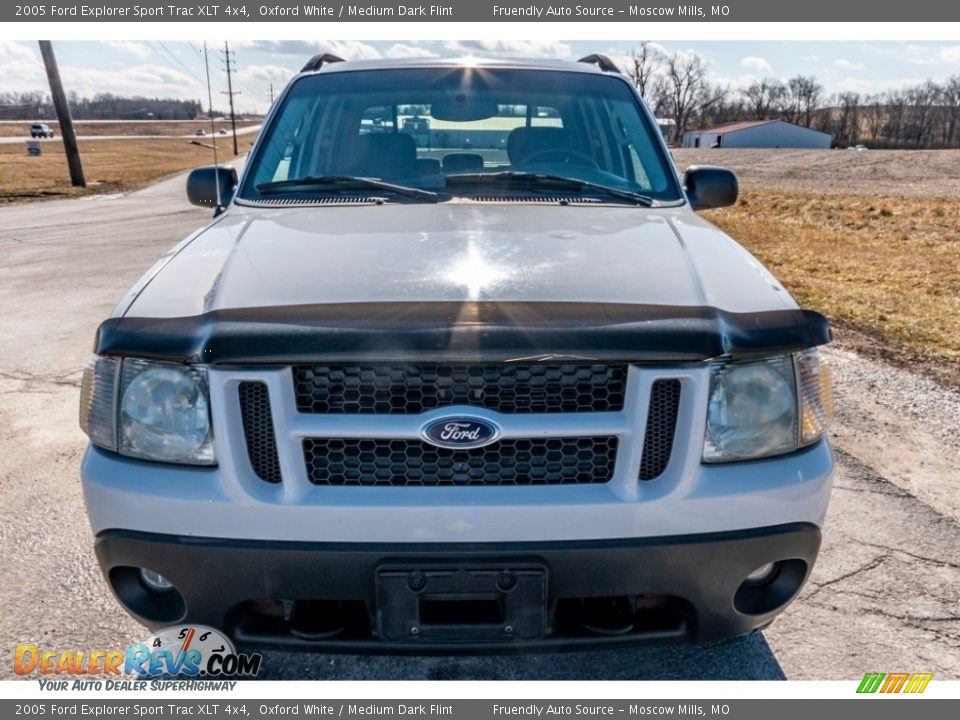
[(148, 410), (755, 410), (164, 413)]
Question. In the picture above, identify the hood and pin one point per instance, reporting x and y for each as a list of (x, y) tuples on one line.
[(457, 251)]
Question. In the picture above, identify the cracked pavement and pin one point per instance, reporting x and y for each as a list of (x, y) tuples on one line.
[(884, 596)]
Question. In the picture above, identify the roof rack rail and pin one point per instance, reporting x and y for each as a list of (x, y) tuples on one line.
[(318, 61), (601, 61)]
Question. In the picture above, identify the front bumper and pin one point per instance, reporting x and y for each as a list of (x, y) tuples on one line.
[(353, 597)]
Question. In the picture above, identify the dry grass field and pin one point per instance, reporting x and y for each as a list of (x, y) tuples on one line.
[(871, 239), (109, 165), (21, 128)]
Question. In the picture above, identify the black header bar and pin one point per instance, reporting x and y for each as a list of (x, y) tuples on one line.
[(617, 11)]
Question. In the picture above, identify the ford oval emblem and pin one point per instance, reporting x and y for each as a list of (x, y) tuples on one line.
[(460, 433)]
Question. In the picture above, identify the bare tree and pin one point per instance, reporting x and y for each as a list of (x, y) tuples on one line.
[(685, 89), (950, 96), (765, 96), (803, 98), (875, 117), (646, 64)]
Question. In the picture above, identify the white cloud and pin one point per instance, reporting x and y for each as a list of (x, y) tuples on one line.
[(845, 64), (15, 51), (811, 58), (510, 48), (925, 55), (305, 49), (757, 64), (137, 80), (401, 50), (136, 49), (869, 86), (266, 74)]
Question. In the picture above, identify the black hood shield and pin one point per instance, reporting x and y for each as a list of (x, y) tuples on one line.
[(465, 332)]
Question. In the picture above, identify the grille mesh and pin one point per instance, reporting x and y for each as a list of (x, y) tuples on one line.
[(661, 427), (540, 461), (506, 388), (258, 430)]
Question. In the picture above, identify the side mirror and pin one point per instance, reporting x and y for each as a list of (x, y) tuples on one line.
[(709, 187), (211, 186)]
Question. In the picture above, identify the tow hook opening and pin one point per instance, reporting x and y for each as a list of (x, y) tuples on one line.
[(622, 615)]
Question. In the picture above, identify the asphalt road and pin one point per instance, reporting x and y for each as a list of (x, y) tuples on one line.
[(884, 596)]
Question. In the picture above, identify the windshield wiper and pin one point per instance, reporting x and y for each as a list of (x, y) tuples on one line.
[(345, 182), (560, 182)]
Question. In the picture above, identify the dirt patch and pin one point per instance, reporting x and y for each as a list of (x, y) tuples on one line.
[(901, 173), (109, 165)]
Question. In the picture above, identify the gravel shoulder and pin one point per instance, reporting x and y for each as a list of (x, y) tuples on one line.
[(884, 595)]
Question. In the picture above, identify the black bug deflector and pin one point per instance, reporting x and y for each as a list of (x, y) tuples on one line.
[(495, 331)]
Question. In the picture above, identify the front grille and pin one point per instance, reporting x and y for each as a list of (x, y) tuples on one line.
[(506, 388), (661, 427), (539, 461), (258, 430)]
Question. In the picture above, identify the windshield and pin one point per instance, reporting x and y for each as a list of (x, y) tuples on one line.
[(445, 129)]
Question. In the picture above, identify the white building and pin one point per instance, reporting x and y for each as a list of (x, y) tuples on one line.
[(757, 134)]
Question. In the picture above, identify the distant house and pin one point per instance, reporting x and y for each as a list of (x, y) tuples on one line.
[(757, 134)]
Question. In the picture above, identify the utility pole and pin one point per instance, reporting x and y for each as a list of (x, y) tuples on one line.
[(231, 93), (271, 93), (63, 115)]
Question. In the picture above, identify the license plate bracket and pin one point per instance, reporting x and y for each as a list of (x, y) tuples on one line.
[(461, 603)]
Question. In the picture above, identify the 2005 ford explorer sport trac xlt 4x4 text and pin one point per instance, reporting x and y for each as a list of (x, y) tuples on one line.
[(457, 367)]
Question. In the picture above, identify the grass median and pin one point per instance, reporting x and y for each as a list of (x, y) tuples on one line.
[(886, 268), (109, 165)]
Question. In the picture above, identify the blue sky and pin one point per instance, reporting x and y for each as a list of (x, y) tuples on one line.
[(176, 69)]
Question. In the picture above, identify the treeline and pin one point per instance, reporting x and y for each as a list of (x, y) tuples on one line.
[(677, 87), (37, 105)]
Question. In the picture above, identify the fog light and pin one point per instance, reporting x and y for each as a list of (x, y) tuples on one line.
[(762, 575), (155, 581)]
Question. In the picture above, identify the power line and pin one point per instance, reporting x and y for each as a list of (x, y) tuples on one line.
[(177, 60)]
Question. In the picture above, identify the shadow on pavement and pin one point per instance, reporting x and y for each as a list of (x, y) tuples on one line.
[(746, 658)]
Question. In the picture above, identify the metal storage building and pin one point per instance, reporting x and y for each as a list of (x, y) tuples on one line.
[(757, 134)]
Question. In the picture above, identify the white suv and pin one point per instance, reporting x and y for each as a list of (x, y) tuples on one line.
[(457, 366)]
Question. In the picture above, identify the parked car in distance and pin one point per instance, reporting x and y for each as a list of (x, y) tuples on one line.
[(41, 130), (200, 132), (458, 366), (221, 131)]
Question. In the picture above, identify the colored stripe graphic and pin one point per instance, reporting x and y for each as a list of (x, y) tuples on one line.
[(894, 682), (870, 682), (918, 682)]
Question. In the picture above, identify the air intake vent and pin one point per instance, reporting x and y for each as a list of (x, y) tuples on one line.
[(661, 427), (294, 200), (536, 199), (258, 430)]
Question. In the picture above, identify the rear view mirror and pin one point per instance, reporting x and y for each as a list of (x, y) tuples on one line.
[(211, 186), (709, 187), (464, 107)]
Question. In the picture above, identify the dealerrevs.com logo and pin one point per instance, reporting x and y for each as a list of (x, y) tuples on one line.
[(191, 651)]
